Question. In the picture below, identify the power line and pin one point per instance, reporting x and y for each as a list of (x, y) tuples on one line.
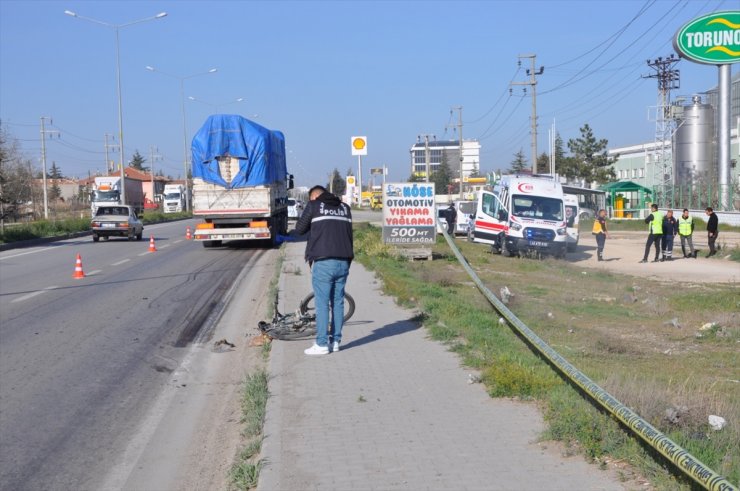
[(618, 33), (67, 132), (518, 68), (484, 136)]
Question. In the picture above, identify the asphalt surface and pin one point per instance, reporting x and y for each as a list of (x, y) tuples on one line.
[(82, 360)]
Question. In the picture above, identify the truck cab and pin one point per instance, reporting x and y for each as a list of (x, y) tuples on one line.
[(523, 214)]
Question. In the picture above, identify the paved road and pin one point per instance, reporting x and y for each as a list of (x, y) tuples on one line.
[(81, 361), (394, 410)]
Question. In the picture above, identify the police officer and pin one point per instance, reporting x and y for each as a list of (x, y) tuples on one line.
[(685, 231), (655, 224)]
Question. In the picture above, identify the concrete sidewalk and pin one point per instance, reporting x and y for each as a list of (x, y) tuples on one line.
[(394, 410)]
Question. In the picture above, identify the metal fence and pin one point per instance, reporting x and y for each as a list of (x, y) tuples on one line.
[(694, 197)]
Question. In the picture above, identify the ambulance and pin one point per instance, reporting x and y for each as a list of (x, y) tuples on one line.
[(524, 214), (572, 213)]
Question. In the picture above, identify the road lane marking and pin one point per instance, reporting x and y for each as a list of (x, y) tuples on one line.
[(144, 253), (94, 272), (118, 263), (178, 241), (165, 246), (33, 294)]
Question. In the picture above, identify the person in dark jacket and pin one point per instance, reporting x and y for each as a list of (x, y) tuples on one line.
[(655, 224), (329, 251), (451, 218), (670, 229), (712, 230)]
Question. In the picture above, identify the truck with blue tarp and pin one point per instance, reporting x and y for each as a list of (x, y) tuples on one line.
[(240, 181)]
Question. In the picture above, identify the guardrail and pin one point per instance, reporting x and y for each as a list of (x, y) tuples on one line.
[(684, 461)]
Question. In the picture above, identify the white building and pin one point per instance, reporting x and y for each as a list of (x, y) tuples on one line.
[(449, 151)]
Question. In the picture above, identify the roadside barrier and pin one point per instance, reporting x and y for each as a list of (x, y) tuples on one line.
[(684, 461)]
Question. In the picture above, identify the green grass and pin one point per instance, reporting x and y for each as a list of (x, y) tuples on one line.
[(619, 343), (244, 472)]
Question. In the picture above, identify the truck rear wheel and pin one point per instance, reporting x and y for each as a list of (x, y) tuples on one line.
[(95, 237), (211, 243)]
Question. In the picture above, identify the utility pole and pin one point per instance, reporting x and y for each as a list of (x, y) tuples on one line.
[(532, 82), (44, 132), (108, 164), (668, 79), (152, 157), (426, 158), (460, 137)]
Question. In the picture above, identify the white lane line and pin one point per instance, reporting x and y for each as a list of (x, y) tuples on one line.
[(178, 241), (33, 294), (118, 263), (94, 272), (143, 253), (165, 246)]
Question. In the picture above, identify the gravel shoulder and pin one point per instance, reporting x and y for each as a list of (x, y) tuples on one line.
[(624, 250)]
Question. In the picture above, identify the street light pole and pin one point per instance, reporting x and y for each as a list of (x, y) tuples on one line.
[(117, 28), (184, 123)]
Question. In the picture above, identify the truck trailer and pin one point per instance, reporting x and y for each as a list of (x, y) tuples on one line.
[(107, 191), (240, 181)]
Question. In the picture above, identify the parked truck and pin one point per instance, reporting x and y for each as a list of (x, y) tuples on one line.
[(174, 198), (107, 191), (240, 181)]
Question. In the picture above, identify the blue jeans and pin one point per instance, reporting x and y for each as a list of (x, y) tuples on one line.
[(328, 277)]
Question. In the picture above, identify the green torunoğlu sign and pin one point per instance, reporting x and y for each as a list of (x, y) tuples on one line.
[(712, 39)]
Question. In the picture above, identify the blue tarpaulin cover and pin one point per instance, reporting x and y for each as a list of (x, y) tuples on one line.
[(261, 152)]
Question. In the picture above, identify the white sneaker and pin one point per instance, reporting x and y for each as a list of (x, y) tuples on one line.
[(335, 347), (317, 350)]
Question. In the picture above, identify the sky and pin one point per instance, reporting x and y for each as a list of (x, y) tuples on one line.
[(322, 72)]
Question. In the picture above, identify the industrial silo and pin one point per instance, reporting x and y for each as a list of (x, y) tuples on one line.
[(694, 144)]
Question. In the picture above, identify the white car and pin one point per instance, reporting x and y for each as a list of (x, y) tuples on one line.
[(295, 209)]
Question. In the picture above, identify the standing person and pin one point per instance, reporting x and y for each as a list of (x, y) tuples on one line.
[(601, 233), (655, 229), (451, 217), (670, 229), (685, 231), (712, 230), (329, 251)]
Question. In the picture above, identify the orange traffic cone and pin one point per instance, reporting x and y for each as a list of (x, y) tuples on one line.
[(78, 274), (188, 235), (152, 248)]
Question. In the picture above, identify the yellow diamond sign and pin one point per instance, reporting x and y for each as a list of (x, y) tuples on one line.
[(359, 145)]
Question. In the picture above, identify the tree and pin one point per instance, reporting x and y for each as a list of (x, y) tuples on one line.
[(137, 162), (442, 177), (337, 184), (591, 163), (415, 178), (16, 179), (543, 163), (55, 172), (519, 163)]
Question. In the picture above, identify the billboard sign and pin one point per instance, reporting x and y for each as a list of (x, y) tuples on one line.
[(359, 145), (712, 39), (408, 213)]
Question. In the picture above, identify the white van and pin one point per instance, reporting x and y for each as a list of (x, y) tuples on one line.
[(524, 213), (572, 216), (464, 209)]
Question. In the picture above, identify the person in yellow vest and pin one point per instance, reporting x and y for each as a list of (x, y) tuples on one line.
[(655, 224), (685, 231), (601, 233)]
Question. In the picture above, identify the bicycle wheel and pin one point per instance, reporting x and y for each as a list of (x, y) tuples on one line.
[(287, 331), (308, 307)]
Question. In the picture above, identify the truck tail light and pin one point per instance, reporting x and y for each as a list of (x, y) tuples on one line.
[(204, 226), (261, 224)]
